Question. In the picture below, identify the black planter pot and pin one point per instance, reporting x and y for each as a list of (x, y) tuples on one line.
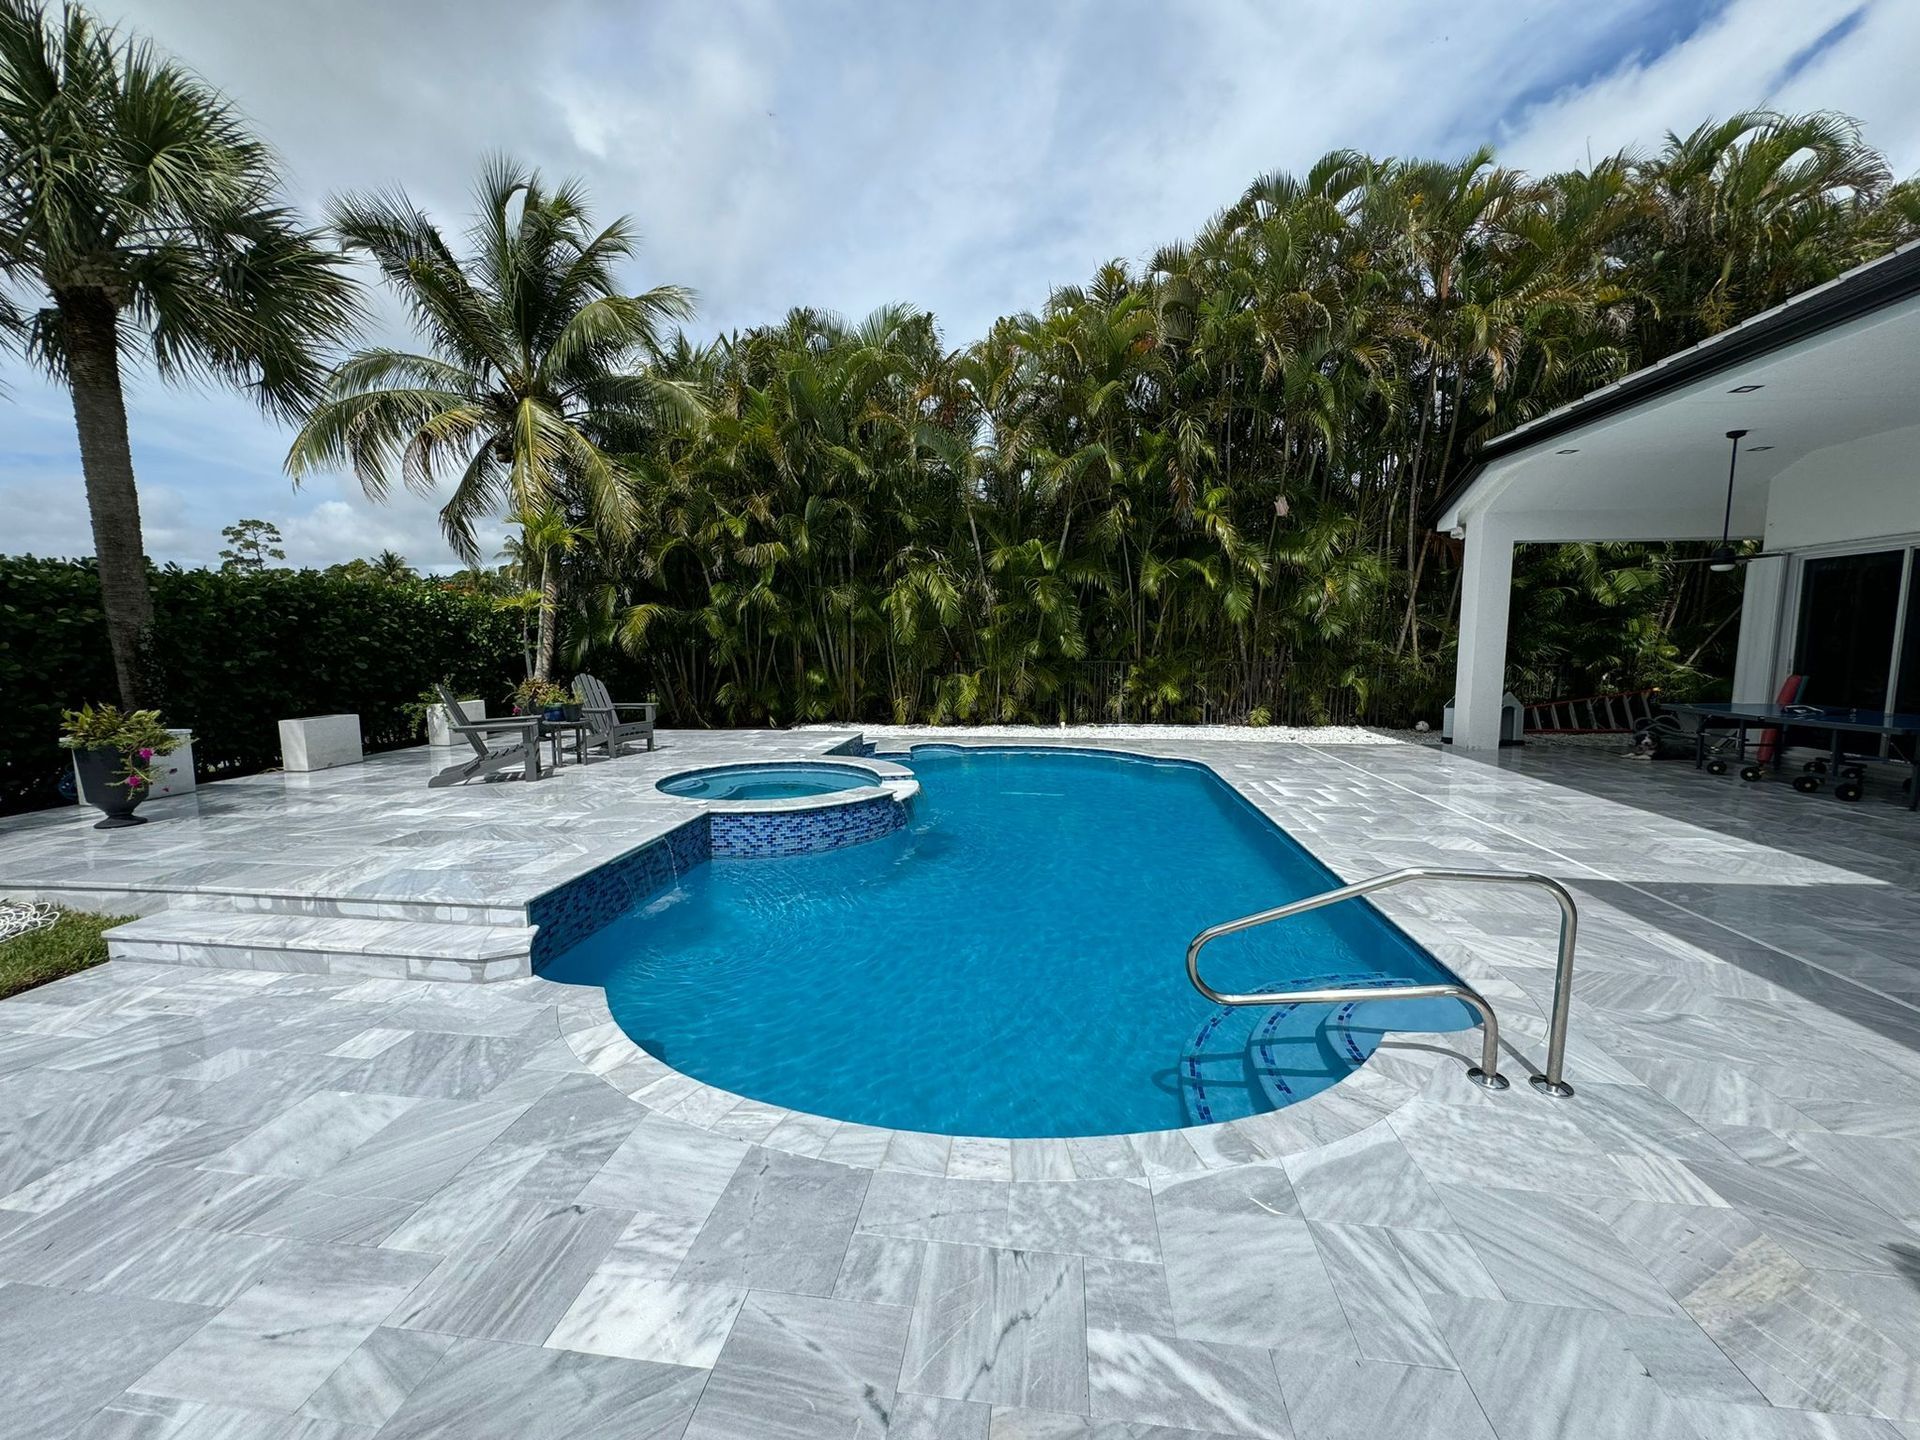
[(102, 787), (570, 712)]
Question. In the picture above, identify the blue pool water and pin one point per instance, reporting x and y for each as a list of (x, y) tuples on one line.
[(766, 782), (1012, 962)]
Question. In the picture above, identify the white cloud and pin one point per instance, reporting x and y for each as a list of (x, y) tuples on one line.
[(845, 154)]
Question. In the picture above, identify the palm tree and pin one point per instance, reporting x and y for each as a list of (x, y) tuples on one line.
[(140, 221), (390, 566), (536, 377)]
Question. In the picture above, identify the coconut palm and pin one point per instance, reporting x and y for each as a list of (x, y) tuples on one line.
[(537, 375), (140, 224)]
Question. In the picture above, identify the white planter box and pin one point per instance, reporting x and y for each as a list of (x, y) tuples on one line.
[(320, 742), (173, 774), (438, 720)]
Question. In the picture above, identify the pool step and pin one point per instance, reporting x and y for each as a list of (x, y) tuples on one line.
[(326, 945)]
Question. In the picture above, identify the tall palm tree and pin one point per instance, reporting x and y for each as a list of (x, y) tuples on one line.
[(140, 222), (537, 374)]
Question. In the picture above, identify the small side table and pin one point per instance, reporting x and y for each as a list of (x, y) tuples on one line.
[(554, 730)]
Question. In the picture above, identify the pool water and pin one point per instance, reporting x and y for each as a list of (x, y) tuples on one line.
[(767, 782), (1012, 962)]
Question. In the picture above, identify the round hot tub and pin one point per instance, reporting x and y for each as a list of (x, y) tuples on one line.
[(768, 782)]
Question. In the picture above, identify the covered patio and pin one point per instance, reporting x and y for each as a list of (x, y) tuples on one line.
[(1822, 390), (263, 1203)]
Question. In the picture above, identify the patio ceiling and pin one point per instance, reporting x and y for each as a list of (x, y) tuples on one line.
[(1646, 457)]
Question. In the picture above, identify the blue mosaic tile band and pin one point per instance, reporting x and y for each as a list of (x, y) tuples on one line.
[(805, 832), (569, 913)]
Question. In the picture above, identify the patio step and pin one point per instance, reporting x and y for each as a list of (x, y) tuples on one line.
[(323, 944)]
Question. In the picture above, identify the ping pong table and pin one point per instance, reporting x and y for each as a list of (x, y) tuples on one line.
[(1838, 721)]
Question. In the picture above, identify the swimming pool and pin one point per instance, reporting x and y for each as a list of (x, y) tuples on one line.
[(766, 782), (1011, 962)]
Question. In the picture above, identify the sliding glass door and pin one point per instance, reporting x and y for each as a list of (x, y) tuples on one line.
[(1858, 637), (1849, 610)]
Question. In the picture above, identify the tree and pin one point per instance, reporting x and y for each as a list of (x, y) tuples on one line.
[(391, 566), (251, 544), (538, 374), (140, 222)]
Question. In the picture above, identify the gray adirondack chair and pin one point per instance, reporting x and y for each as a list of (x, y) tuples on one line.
[(501, 746), (603, 713)]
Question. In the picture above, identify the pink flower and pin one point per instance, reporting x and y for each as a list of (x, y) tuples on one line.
[(145, 753), (134, 782)]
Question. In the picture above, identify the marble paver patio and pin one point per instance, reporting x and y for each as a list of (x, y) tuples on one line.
[(241, 1203)]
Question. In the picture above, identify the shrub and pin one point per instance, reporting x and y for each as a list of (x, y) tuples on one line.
[(232, 654)]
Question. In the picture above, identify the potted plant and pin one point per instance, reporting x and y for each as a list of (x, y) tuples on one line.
[(113, 755), (545, 699)]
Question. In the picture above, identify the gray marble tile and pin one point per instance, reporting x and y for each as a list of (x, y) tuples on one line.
[(1383, 1304), (1007, 1327), (796, 1367), (1185, 1384), (1504, 1146), (1366, 1180), (484, 1390), (67, 1182), (469, 1202), (1825, 1221), (312, 1136), (930, 1417), (670, 1321), (880, 1270), (1112, 1219), (1013, 1424), (1707, 1420), (1274, 1287), (375, 1380), (1881, 1170), (279, 1341), (516, 1278), (263, 1205), (1545, 1372), (420, 1151), (782, 1223), (156, 1417), (924, 1207), (664, 1165), (1122, 1295), (68, 1354), (1684, 1361), (1349, 1399), (1547, 1250), (1441, 1263)]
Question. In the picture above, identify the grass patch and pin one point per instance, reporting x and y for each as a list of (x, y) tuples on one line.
[(71, 944)]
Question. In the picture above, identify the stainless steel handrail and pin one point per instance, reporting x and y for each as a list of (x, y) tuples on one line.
[(1487, 1072)]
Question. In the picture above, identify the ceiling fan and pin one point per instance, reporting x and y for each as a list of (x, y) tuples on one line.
[(1723, 557)]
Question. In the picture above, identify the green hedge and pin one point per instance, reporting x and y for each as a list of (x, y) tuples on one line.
[(233, 654)]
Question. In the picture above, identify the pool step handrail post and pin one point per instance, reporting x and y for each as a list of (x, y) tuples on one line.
[(1550, 1081)]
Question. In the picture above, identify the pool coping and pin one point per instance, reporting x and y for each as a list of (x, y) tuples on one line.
[(890, 779), (1402, 1069)]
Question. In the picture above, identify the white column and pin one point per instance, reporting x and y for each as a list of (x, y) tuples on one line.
[(1486, 594), (1756, 657)]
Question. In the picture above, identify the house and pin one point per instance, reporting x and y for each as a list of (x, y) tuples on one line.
[(1825, 392)]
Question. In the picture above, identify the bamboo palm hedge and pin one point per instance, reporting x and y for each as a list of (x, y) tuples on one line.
[(1200, 487)]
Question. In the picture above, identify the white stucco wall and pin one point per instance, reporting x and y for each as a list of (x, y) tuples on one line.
[(1852, 491)]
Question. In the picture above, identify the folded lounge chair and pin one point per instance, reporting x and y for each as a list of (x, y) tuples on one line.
[(501, 746), (602, 714)]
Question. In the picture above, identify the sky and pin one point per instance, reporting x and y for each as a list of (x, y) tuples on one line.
[(963, 157)]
